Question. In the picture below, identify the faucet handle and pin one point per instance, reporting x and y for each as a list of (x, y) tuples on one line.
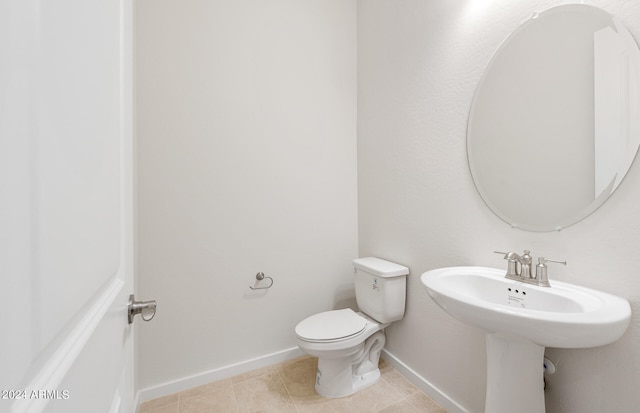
[(512, 264), (506, 254), (542, 277), (509, 255), (543, 260)]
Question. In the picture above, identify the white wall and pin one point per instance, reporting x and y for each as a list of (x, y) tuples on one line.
[(246, 163), (418, 65)]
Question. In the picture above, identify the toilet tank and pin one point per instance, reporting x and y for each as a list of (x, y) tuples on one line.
[(381, 288)]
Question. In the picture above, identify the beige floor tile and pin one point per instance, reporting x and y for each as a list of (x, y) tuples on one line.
[(323, 405), (299, 377), (403, 406), (209, 387), (400, 383), (221, 400), (425, 404), (384, 367), (252, 374), (166, 408), (152, 405), (290, 387), (263, 394), (376, 397)]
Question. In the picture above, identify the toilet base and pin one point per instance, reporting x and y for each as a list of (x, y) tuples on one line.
[(334, 380), (340, 377)]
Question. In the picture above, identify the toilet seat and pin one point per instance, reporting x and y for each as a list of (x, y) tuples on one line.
[(331, 326)]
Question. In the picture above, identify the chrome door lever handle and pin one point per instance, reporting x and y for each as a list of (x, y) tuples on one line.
[(146, 309)]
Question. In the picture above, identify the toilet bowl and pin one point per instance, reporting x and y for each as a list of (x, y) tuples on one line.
[(348, 343), (348, 346)]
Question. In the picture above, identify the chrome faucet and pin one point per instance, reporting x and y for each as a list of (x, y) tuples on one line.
[(519, 268)]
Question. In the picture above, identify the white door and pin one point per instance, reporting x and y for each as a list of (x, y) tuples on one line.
[(65, 206)]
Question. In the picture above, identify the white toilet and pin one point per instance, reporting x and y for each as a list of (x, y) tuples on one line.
[(347, 343)]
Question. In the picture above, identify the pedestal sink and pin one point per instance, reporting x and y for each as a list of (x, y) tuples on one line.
[(521, 320)]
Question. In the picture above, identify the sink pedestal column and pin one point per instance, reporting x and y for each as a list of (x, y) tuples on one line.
[(515, 380)]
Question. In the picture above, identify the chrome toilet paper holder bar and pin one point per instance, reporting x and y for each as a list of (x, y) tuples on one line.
[(260, 276)]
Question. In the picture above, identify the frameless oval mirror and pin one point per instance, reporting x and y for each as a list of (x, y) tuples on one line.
[(555, 120)]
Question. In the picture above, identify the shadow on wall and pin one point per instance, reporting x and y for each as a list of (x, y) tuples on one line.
[(345, 297)]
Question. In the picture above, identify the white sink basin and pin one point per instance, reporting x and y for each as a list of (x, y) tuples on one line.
[(521, 320), (563, 315)]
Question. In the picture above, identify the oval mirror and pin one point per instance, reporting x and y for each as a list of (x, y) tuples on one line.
[(555, 123)]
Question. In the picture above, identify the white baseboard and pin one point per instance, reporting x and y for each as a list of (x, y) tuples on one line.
[(220, 373), (423, 384)]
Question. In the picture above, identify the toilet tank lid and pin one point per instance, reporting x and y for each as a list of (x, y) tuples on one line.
[(380, 267)]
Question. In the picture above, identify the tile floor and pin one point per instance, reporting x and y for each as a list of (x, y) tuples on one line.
[(288, 387)]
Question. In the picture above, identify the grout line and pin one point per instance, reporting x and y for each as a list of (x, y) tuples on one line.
[(396, 391), (180, 400), (281, 374), (235, 396), (395, 402), (284, 383)]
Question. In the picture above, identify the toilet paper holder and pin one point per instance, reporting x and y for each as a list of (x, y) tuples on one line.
[(260, 276)]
